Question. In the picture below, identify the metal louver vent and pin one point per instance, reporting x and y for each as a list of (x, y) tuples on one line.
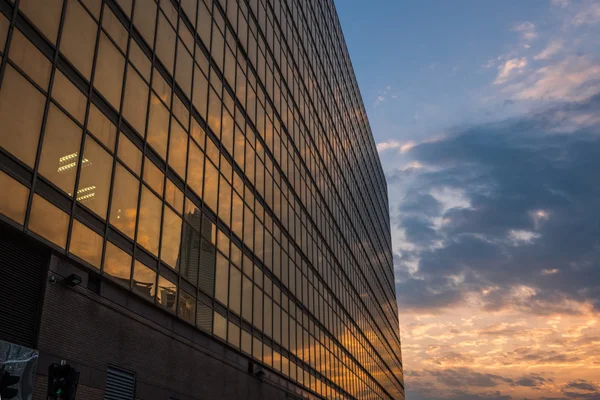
[(120, 385), (22, 273)]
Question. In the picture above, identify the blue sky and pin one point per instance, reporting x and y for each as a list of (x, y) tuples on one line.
[(487, 119)]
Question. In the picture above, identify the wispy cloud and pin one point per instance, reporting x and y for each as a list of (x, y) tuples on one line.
[(526, 30), (510, 68), (553, 48)]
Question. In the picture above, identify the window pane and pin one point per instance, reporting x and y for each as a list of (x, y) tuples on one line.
[(115, 29), (94, 182), (178, 148), (69, 96), (49, 221), (187, 306), (21, 110), (136, 101), (3, 31), (149, 221), (78, 39), (123, 210), (225, 201), (30, 59), (220, 326), (246, 299), (233, 335), (235, 282), (246, 342), (165, 43), (130, 154), (101, 127), (200, 97), (211, 182), (195, 173), (171, 238), (110, 66), (13, 198), (144, 280), (207, 268), (117, 263), (154, 177), (258, 307), (158, 127), (60, 150), (183, 76), (144, 19), (189, 257), (167, 293), (204, 316), (86, 244), (44, 14), (221, 279), (174, 196)]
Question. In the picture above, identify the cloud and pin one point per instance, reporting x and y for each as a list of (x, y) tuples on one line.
[(589, 15), (553, 48), (509, 68), (520, 220), (581, 384), (573, 78), (526, 30)]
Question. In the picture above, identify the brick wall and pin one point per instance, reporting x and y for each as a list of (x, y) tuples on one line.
[(170, 359)]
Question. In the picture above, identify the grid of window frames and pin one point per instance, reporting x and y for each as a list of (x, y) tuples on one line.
[(214, 157)]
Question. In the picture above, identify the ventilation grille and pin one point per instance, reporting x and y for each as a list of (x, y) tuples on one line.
[(120, 385), (22, 272)]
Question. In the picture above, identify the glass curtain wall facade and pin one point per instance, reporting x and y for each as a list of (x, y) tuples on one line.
[(213, 157)]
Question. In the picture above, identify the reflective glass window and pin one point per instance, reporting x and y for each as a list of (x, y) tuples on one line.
[(136, 101), (221, 279), (21, 110), (144, 19), (69, 97), (78, 39), (167, 293), (101, 127), (158, 126), (178, 144), (117, 264), (144, 280), (44, 14), (130, 154), (60, 150), (174, 196), (110, 67), (13, 198), (115, 29), (187, 306), (220, 326), (211, 185), (148, 232), (30, 59), (94, 180), (86, 244), (233, 335), (235, 282), (204, 317), (123, 209), (171, 238), (49, 221), (165, 43)]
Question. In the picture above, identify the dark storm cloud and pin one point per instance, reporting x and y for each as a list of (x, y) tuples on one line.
[(581, 384), (534, 215)]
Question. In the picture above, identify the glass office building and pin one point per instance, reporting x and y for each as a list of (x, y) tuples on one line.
[(207, 168)]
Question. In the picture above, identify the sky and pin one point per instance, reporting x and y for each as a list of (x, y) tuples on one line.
[(486, 116)]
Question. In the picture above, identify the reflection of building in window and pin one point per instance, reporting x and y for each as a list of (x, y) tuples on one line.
[(144, 288), (167, 296)]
